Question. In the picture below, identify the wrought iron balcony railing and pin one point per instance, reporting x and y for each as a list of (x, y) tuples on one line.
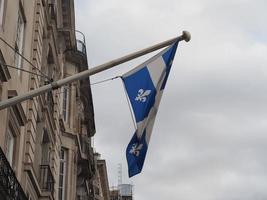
[(10, 188), (46, 179), (76, 49), (85, 147), (80, 42)]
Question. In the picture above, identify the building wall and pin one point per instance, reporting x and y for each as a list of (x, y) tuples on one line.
[(103, 178), (115, 194), (38, 129)]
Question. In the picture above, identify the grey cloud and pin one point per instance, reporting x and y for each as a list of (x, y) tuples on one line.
[(209, 139)]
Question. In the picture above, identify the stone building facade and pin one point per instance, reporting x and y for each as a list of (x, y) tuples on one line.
[(121, 192), (100, 180), (46, 150), (115, 194)]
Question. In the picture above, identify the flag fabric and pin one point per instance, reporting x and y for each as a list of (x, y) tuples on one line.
[(144, 86)]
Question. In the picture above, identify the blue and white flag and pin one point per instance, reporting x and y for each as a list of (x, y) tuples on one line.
[(144, 85)]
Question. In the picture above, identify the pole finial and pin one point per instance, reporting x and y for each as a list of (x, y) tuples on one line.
[(186, 36)]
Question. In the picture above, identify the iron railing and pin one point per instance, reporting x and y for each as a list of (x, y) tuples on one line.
[(88, 155), (10, 188), (80, 42), (46, 179), (85, 145)]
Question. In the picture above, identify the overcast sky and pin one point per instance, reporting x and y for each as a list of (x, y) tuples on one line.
[(210, 137)]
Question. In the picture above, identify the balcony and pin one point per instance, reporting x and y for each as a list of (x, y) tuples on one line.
[(10, 188), (87, 101), (46, 179), (77, 54), (86, 158), (80, 42), (85, 147)]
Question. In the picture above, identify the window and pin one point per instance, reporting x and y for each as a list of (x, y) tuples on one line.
[(65, 105), (53, 9), (50, 62), (19, 41), (9, 145), (2, 3), (62, 174), (1, 89), (45, 145), (4, 72)]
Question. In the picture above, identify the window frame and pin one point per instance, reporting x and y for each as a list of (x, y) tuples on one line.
[(4, 72), (45, 145), (2, 12), (62, 174), (10, 149), (65, 103), (19, 40)]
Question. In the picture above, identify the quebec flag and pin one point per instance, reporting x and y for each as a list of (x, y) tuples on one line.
[(144, 85)]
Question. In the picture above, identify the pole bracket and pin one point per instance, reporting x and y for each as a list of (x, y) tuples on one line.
[(54, 85)]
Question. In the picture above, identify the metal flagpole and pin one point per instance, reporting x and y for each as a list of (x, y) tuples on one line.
[(84, 74)]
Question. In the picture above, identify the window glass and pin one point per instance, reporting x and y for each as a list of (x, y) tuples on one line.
[(19, 41), (9, 145), (62, 174), (1, 11), (65, 103)]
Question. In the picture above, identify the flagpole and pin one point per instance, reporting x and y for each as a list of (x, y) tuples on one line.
[(84, 74)]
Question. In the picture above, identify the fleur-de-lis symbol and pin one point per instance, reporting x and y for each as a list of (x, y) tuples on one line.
[(142, 95), (135, 150)]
